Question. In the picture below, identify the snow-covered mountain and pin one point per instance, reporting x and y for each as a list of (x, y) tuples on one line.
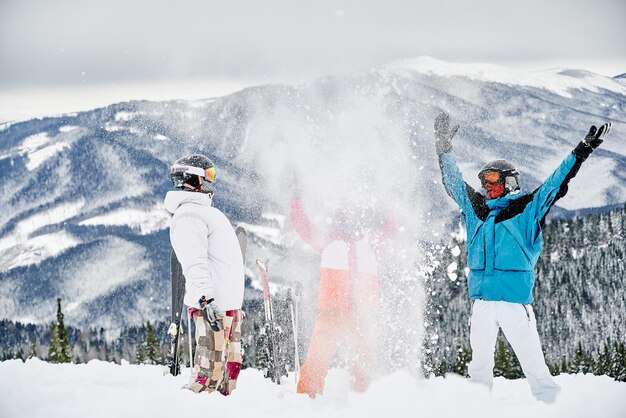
[(83, 218)]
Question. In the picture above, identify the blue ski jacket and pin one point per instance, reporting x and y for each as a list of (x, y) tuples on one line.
[(504, 236)]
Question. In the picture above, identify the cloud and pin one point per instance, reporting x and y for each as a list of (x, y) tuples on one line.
[(52, 42)]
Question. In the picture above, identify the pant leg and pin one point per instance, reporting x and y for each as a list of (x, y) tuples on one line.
[(235, 351), (362, 345), (208, 370), (483, 333), (520, 328), (322, 349)]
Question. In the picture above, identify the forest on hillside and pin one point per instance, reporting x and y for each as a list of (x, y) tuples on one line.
[(580, 306)]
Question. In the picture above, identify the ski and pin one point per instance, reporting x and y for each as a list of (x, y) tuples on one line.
[(242, 237), (274, 368), (178, 293)]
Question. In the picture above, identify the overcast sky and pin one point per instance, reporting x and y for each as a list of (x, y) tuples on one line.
[(50, 43)]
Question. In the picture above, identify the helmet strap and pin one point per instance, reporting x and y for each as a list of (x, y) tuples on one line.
[(192, 188)]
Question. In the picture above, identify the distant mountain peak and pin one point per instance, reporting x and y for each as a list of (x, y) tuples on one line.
[(558, 80)]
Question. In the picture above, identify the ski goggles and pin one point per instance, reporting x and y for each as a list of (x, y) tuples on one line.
[(490, 177), (209, 174)]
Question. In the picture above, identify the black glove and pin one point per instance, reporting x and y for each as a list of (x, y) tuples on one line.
[(596, 136), (443, 133), (212, 313)]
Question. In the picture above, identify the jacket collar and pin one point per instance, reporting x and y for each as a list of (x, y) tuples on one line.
[(503, 202), (176, 198)]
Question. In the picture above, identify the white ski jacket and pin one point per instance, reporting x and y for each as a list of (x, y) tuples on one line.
[(207, 248)]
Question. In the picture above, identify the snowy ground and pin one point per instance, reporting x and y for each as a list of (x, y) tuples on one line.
[(98, 389)]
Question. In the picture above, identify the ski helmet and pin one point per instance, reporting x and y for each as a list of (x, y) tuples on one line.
[(196, 171), (507, 171)]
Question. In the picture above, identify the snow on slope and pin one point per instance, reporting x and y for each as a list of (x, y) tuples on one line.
[(36, 389), (146, 221), (41, 247)]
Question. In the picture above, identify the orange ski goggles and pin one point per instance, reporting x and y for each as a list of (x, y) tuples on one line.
[(491, 177), (210, 174)]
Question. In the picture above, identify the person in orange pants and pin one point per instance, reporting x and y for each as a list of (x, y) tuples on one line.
[(348, 298)]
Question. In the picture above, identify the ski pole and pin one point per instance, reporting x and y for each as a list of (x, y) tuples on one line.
[(294, 324), (190, 348), (176, 326), (269, 320)]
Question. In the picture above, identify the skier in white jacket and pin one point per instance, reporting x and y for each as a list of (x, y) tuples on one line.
[(208, 250)]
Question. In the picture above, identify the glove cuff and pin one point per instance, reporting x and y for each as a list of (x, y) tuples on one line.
[(205, 300), (443, 147), (583, 150)]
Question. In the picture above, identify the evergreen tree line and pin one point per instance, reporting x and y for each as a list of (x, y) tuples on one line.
[(608, 361), (146, 344), (579, 304), (57, 343)]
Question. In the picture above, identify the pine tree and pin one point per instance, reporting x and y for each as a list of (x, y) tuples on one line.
[(64, 345), (153, 351), (554, 369), (506, 363), (58, 351), (582, 362), (603, 362), (54, 347), (33, 348), (618, 365), (463, 357), (141, 353), (261, 360), (503, 363), (107, 354), (20, 354)]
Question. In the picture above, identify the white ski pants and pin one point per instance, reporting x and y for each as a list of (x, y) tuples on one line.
[(519, 326)]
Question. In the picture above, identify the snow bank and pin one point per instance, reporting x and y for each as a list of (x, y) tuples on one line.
[(98, 389)]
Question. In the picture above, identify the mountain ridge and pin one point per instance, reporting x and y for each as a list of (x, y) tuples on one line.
[(75, 186)]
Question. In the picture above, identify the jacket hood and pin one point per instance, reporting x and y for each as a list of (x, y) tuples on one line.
[(175, 198)]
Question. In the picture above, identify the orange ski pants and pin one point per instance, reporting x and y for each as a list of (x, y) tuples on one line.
[(332, 328)]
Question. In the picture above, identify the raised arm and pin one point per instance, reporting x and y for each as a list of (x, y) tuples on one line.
[(303, 226), (462, 193), (556, 185)]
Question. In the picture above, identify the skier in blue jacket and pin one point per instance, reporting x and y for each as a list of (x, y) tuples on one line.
[(504, 238)]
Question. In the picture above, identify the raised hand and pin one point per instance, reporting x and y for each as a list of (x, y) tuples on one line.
[(443, 133), (596, 136)]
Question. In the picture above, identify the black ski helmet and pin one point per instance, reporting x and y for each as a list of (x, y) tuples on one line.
[(187, 170), (506, 170)]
